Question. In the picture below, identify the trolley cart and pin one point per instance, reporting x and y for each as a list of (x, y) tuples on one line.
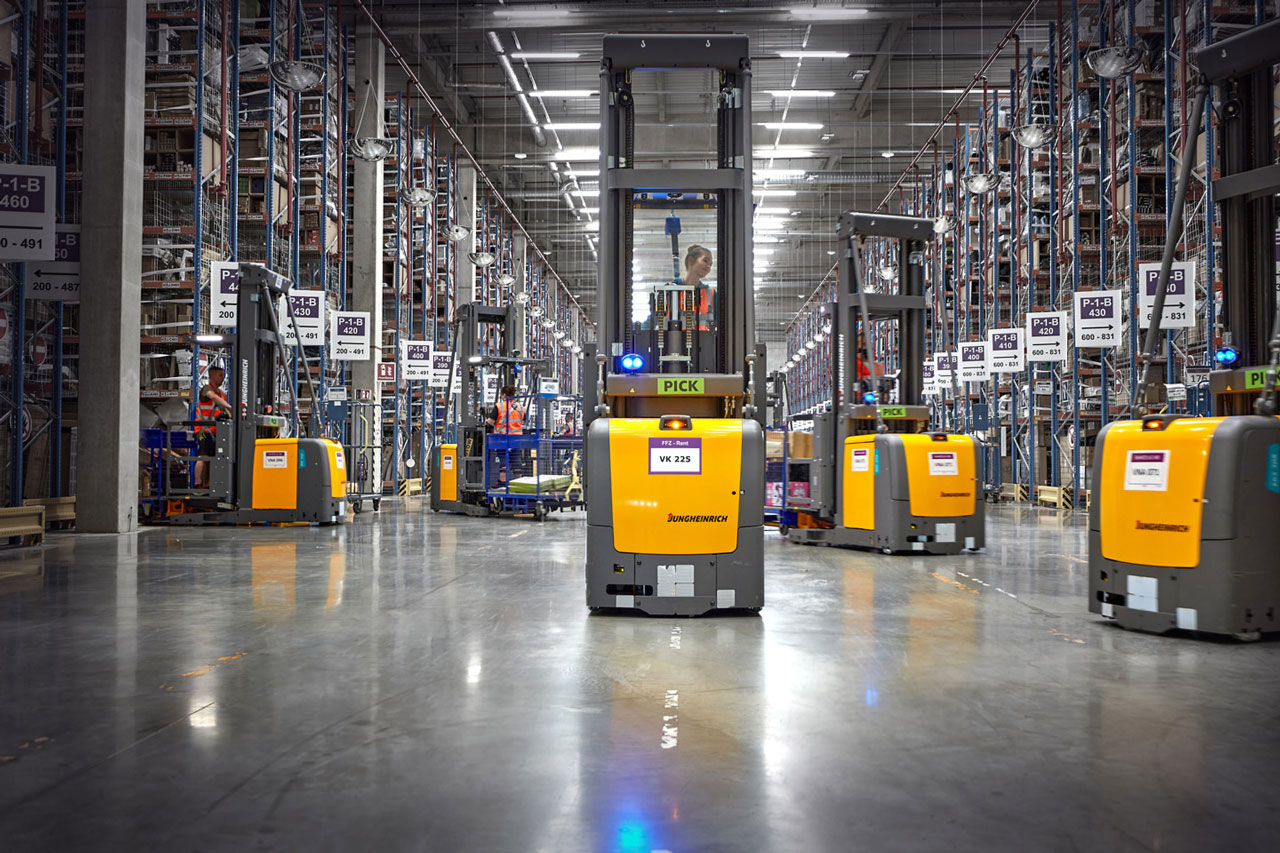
[(364, 476), (529, 474)]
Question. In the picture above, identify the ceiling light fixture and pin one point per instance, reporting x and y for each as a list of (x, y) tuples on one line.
[(790, 125), (980, 183), (572, 125), (564, 93), (1034, 135), (520, 155), (547, 56), (1116, 61), (418, 197), (370, 148), (482, 259), (886, 154), (813, 54), (801, 93), (506, 279), (458, 233), (296, 75), (944, 224), (826, 13)]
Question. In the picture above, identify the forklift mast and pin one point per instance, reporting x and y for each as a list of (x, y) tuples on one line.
[(633, 359)]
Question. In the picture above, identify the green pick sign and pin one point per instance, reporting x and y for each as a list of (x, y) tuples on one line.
[(893, 411), (1256, 378), (678, 385)]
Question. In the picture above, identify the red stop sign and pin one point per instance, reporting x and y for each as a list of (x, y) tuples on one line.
[(39, 350)]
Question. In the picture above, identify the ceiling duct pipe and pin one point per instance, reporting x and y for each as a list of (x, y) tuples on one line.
[(539, 137)]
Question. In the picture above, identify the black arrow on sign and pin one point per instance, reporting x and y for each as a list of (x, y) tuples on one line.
[(1174, 304), (42, 273), (1108, 327)]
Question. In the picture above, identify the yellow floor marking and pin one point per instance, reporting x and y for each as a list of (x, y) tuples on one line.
[(954, 583)]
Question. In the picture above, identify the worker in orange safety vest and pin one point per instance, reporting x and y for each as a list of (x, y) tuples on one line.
[(507, 418), (697, 266)]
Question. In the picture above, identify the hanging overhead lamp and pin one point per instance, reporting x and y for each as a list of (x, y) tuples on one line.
[(888, 271), (558, 334), (522, 298), (370, 148), (1117, 60), (980, 183), (506, 279), (482, 259), (535, 312), (458, 233), (296, 75), (548, 323), (1035, 134), (944, 224), (418, 197)]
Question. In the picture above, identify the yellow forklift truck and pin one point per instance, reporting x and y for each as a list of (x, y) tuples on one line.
[(1184, 526), (879, 477), (255, 475), (674, 440)]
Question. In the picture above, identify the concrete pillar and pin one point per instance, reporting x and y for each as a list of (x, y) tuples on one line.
[(365, 287), (467, 211), (111, 264)]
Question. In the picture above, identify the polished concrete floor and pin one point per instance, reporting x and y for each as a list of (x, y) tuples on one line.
[(426, 682)]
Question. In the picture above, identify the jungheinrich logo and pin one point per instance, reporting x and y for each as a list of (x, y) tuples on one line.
[(957, 494), (1162, 528), (715, 519)]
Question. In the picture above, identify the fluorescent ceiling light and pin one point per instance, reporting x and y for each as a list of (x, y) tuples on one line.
[(769, 174), (551, 12), (579, 153), (813, 54), (563, 93), (826, 13), (801, 93), (772, 210), (780, 193), (544, 56), (572, 125), (520, 155), (790, 125), (782, 151)]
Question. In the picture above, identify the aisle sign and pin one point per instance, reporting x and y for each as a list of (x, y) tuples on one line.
[(1047, 336), (308, 311), (1005, 350), (944, 368), (27, 212), (930, 381), (1197, 373), (349, 336), (1097, 319), (491, 388), (59, 280), (224, 278), (1180, 299), (973, 361), (440, 362), (417, 360)]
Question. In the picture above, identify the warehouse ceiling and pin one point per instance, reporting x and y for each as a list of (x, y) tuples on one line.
[(861, 117)]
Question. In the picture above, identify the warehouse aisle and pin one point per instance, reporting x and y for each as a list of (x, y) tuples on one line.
[(366, 687)]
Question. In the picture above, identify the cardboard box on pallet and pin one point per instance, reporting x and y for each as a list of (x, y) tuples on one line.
[(800, 445)]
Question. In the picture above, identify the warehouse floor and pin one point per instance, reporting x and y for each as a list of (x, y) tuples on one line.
[(414, 681)]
